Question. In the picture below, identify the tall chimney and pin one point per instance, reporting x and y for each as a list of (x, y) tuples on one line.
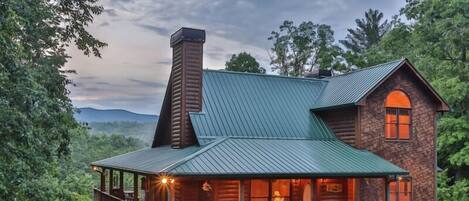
[(186, 84)]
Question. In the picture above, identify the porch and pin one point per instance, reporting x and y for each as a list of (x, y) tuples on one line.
[(166, 188), (245, 169)]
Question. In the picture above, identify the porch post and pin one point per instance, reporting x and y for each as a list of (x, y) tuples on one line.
[(135, 187), (241, 190), (102, 186), (121, 181), (111, 181), (386, 183), (314, 190)]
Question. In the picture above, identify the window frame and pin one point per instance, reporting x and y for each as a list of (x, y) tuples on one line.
[(270, 196), (397, 114), (398, 192)]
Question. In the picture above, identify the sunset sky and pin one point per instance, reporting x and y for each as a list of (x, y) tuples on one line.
[(134, 69)]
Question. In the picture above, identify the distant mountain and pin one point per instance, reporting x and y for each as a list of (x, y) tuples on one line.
[(89, 115)]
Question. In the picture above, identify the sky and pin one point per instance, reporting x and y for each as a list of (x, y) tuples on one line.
[(134, 69)]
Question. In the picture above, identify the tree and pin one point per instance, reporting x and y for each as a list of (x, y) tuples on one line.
[(36, 115), (369, 32), (328, 55), (449, 190), (307, 46), (441, 39), (243, 62)]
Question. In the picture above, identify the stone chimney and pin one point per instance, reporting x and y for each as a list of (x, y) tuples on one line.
[(186, 84)]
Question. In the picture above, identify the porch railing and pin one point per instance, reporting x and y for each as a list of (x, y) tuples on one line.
[(104, 196)]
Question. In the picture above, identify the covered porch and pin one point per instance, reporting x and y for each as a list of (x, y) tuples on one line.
[(167, 188), (245, 170)]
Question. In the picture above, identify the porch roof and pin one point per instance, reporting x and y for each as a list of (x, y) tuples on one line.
[(257, 157)]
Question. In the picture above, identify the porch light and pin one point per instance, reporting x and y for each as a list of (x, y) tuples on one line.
[(164, 180), (94, 168)]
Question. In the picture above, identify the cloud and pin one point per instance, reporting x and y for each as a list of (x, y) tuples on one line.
[(148, 83), (87, 77), (165, 62), (111, 12), (103, 83), (158, 30), (104, 24), (138, 36)]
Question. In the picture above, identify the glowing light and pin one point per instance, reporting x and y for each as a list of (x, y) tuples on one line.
[(171, 180), (164, 180), (94, 168)]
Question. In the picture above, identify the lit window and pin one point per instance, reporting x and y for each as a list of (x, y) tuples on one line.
[(400, 190), (281, 190), (259, 190), (398, 119)]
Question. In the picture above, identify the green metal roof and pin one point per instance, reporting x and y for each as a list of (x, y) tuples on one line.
[(256, 105), (148, 161), (349, 88), (257, 157), (283, 157), (262, 125)]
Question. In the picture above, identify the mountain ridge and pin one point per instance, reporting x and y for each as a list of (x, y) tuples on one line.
[(89, 114)]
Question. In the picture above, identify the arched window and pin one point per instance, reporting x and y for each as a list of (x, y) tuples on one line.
[(398, 120)]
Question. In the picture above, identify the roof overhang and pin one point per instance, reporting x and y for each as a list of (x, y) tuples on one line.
[(242, 158)]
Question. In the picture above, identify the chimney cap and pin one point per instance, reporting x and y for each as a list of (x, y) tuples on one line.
[(187, 34)]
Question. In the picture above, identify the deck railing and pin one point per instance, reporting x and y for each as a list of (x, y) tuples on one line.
[(104, 196)]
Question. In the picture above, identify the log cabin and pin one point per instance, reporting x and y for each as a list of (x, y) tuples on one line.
[(366, 135)]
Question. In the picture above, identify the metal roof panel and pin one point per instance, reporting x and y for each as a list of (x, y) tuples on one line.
[(268, 157)]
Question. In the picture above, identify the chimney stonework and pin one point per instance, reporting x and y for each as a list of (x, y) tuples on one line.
[(186, 84)]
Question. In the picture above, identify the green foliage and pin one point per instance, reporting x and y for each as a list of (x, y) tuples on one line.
[(368, 33), (87, 148), (449, 190), (440, 39), (143, 131), (436, 42), (307, 46), (243, 62), (36, 114)]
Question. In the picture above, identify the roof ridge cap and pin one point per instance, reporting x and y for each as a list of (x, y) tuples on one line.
[(367, 68), (278, 138), (263, 75), (193, 155)]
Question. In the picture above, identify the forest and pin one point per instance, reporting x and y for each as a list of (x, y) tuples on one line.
[(45, 153)]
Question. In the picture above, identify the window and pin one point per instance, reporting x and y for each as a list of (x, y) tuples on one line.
[(281, 190), (398, 116), (259, 190), (400, 190)]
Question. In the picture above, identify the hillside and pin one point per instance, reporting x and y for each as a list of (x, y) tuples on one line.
[(111, 115), (119, 122)]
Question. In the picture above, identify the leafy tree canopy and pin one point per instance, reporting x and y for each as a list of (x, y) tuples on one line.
[(302, 47), (243, 62), (36, 113)]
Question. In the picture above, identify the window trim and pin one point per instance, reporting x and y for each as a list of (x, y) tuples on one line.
[(398, 192), (270, 196), (397, 138)]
